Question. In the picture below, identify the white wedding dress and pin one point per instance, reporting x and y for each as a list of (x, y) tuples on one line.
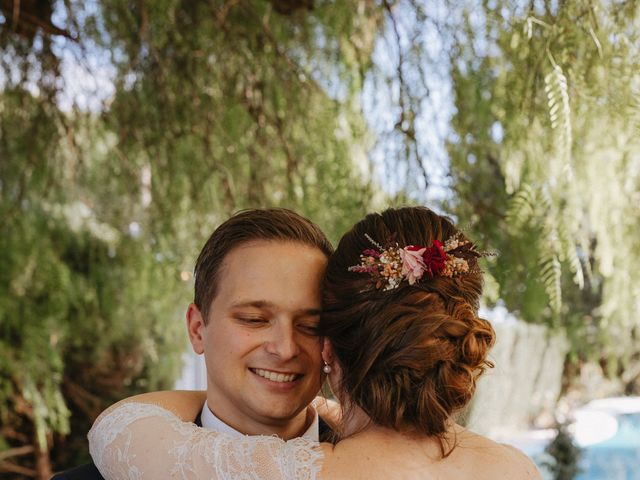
[(144, 441)]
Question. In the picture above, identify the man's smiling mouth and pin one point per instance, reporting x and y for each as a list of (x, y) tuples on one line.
[(275, 376)]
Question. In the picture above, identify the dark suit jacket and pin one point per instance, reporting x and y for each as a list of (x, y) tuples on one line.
[(90, 472)]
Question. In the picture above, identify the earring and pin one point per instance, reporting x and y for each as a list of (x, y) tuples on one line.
[(326, 368)]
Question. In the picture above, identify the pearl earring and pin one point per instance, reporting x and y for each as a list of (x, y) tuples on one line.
[(326, 368)]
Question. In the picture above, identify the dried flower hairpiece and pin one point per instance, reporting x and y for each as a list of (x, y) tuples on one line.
[(390, 266)]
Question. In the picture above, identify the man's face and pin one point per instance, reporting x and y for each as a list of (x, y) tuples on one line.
[(261, 349)]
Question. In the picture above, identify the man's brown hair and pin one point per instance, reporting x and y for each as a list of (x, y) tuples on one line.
[(279, 224)]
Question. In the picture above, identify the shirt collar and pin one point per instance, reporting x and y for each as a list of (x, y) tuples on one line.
[(210, 421)]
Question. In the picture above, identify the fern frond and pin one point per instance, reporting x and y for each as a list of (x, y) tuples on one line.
[(545, 206), (522, 207), (550, 275), (550, 253), (570, 253), (530, 207), (557, 89)]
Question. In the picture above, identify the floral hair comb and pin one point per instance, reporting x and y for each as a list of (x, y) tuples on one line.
[(390, 266)]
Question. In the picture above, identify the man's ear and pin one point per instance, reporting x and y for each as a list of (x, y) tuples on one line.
[(195, 328)]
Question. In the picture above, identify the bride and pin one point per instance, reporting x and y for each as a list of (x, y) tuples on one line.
[(403, 348)]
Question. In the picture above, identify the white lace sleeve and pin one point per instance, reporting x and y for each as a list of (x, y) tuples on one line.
[(144, 441)]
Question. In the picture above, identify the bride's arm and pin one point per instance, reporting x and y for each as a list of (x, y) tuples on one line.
[(147, 441), (185, 404)]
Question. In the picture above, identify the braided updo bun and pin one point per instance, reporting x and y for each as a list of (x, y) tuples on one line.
[(410, 356)]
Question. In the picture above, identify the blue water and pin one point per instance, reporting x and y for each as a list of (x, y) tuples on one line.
[(617, 458)]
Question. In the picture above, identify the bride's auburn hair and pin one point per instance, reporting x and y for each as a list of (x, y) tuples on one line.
[(410, 357)]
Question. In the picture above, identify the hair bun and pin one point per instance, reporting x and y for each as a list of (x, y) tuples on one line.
[(476, 335), (421, 363), (410, 356)]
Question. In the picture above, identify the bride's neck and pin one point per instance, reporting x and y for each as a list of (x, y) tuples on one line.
[(356, 422), (359, 424)]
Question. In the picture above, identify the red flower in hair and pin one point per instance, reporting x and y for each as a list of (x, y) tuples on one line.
[(434, 259)]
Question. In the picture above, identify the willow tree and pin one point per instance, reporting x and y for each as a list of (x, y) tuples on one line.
[(547, 116), (216, 106), (248, 105), (539, 146)]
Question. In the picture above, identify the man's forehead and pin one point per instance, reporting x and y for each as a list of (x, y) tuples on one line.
[(287, 275), (274, 243), (255, 258)]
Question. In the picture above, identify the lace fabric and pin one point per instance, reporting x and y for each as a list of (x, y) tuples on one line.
[(142, 441)]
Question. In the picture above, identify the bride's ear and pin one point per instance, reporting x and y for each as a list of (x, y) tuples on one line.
[(327, 351)]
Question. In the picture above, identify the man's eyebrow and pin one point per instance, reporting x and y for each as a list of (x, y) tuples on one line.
[(270, 305), (253, 303)]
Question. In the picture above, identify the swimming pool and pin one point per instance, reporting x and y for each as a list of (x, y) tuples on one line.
[(608, 431)]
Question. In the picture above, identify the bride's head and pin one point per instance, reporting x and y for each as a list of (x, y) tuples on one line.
[(400, 313)]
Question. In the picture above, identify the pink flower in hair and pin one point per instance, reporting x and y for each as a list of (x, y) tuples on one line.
[(390, 265), (413, 266)]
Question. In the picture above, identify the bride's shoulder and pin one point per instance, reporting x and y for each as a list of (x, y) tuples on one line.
[(518, 464), (498, 459)]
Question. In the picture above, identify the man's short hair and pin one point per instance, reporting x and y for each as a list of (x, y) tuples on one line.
[(278, 224)]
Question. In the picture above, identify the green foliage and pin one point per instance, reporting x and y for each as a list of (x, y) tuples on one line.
[(255, 125), (218, 106), (565, 456), (549, 110), (222, 105), (88, 314)]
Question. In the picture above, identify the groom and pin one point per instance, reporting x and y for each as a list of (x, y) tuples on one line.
[(254, 317)]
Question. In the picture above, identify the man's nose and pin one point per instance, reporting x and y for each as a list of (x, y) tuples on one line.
[(282, 341)]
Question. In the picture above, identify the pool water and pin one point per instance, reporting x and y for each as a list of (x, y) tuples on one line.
[(617, 458)]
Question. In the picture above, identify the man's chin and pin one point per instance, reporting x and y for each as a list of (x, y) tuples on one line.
[(279, 408)]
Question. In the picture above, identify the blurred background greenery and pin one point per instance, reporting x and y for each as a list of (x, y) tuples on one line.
[(130, 129)]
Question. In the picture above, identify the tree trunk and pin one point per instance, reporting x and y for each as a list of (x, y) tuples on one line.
[(43, 464)]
